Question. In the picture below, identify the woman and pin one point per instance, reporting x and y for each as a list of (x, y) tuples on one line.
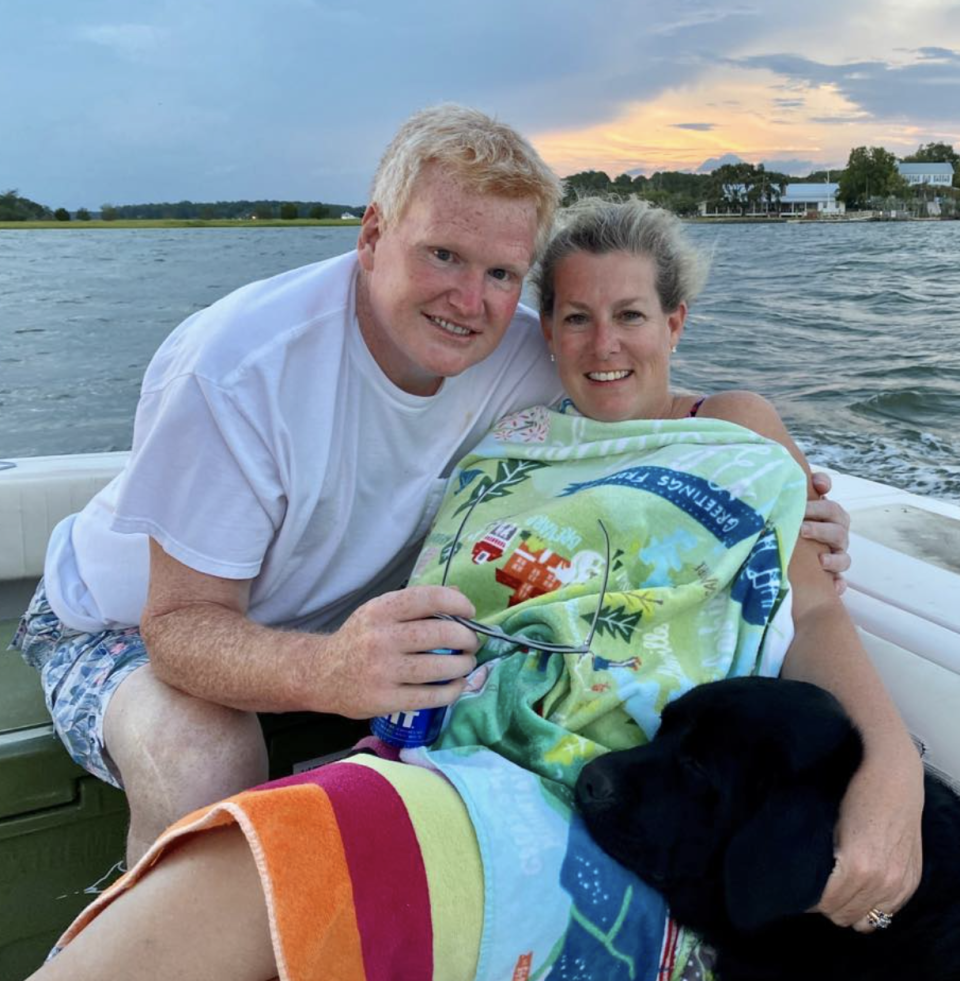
[(701, 499)]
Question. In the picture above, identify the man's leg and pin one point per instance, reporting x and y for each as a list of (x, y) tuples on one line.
[(170, 752), (199, 915), (175, 753)]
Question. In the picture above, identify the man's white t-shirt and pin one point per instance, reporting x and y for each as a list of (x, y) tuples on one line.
[(269, 445)]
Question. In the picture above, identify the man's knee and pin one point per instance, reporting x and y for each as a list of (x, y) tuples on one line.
[(175, 752)]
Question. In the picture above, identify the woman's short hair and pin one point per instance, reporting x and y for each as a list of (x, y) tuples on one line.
[(486, 156), (602, 225)]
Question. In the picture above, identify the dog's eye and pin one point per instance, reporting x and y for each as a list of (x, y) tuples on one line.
[(694, 767)]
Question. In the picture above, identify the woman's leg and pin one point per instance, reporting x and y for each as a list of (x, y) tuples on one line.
[(199, 916)]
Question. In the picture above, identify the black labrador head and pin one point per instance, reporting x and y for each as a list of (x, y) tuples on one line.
[(730, 811)]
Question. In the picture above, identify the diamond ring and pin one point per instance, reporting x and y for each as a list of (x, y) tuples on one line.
[(877, 918)]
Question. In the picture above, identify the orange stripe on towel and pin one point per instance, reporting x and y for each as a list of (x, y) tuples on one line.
[(307, 882), (295, 841), (202, 820)]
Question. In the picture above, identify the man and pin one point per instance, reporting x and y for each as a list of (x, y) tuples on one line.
[(290, 448)]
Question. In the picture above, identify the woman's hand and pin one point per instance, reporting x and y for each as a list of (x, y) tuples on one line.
[(879, 852), (827, 522)]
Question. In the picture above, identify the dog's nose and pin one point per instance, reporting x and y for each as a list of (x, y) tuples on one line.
[(594, 786)]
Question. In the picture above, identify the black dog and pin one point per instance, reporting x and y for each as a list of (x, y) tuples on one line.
[(730, 814)]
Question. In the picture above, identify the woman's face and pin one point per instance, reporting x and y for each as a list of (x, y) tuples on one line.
[(611, 338)]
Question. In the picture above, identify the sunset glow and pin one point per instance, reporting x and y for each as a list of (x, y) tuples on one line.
[(756, 114), (296, 99)]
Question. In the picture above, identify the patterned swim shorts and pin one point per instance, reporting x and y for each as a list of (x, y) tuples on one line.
[(79, 673)]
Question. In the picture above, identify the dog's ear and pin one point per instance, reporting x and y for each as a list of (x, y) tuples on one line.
[(778, 863), (812, 729)]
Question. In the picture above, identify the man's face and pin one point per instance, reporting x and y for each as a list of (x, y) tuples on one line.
[(440, 285)]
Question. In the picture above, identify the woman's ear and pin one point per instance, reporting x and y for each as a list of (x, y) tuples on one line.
[(546, 327), (371, 228), (676, 321)]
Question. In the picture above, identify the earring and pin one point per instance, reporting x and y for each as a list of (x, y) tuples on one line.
[(673, 350), (553, 358)]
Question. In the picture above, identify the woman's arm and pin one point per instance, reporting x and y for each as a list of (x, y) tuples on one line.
[(878, 850)]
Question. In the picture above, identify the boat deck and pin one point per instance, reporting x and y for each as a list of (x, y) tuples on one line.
[(62, 831)]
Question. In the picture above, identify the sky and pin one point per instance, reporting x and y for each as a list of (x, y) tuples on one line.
[(133, 101)]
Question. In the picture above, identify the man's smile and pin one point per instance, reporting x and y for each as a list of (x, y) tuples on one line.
[(450, 326)]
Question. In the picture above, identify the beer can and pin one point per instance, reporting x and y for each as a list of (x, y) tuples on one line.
[(417, 728)]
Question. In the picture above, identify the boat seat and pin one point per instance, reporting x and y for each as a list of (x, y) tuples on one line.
[(35, 494), (904, 596), (62, 831)]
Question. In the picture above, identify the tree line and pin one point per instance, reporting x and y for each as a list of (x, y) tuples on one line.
[(870, 177), (14, 207), (208, 210)]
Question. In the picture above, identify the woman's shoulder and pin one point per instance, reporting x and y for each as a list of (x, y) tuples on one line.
[(739, 406), (752, 411)]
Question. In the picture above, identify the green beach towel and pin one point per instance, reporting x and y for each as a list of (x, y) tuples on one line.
[(702, 516)]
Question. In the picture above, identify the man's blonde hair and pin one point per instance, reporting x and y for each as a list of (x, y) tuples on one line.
[(485, 156)]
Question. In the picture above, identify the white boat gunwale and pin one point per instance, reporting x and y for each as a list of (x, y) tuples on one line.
[(906, 606)]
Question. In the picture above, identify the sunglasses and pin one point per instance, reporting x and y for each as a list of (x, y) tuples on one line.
[(520, 640)]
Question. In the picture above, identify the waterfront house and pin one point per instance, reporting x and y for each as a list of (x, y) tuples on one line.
[(797, 199), (934, 174), (819, 199)]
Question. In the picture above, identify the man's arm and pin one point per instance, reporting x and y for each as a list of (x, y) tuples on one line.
[(201, 642)]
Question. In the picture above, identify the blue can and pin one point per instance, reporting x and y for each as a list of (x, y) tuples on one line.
[(418, 728)]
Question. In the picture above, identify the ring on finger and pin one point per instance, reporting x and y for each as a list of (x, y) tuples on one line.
[(878, 919)]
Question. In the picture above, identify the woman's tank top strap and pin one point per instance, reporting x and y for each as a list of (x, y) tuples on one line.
[(696, 406)]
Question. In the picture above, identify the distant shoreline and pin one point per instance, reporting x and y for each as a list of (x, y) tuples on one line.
[(342, 222), (183, 223), (799, 220)]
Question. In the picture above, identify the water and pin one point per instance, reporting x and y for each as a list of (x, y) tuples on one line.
[(853, 331)]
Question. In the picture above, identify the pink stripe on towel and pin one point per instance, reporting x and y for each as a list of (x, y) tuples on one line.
[(391, 897)]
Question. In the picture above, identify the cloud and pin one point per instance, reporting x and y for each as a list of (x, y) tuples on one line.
[(793, 166), (925, 88), (700, 15), (129, 40), (841, 119), (708, 166), (938, 54), (297, 98)]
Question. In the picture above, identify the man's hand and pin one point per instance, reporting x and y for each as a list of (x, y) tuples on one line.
[(827, 522), (374, 664)]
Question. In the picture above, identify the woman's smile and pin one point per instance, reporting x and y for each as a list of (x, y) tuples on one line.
[(611, 338), (606, 377)]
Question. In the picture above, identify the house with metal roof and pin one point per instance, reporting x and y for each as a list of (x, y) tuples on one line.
[(802, 199), (935, 174), (797, 199)]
